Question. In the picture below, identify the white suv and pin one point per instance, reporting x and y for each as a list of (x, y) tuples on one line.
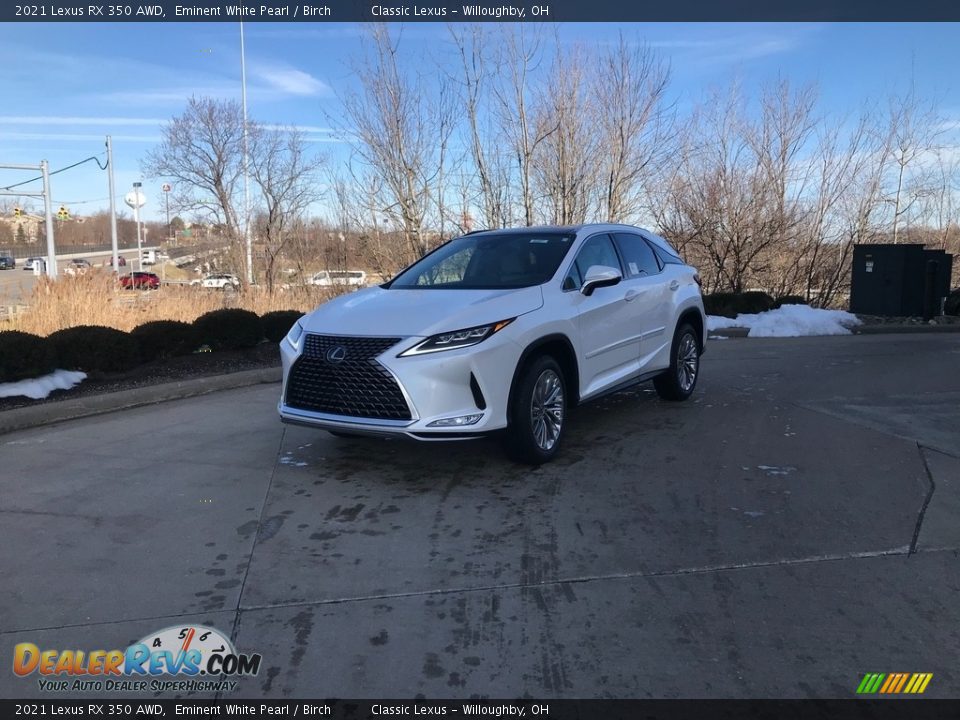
[(328, 278), (219, 281), (500, 329)]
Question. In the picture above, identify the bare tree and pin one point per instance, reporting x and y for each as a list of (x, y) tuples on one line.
[(629, 89), (566, 168), (523, 133), (400, 126), (201, 151), (480, 69), (914, 131), (287, 176)]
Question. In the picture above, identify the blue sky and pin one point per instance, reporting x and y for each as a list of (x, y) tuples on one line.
[(64, 86)]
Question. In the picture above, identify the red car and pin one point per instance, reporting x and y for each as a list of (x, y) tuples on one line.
[(140, 281)]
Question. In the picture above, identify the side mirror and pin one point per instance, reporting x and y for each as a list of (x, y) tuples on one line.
[(599, 276)]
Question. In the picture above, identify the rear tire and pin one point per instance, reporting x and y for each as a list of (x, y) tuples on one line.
[(680, 379), (537, 413)]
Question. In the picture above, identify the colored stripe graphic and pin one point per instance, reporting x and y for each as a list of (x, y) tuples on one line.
[(903, 680), (892, 680), (894, 683)]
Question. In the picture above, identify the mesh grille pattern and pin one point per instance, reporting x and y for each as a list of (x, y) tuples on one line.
[(357, 385)]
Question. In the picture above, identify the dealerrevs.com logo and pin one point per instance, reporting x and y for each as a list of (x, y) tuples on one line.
[(203, 659)]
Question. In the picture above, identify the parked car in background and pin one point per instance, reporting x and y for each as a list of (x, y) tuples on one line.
[(77, 266), (35, 263), (501, 330), (219, 281), (148, 257), (7, 262), (327, 278), (140, 281)]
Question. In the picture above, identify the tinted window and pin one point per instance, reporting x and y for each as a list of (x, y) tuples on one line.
[(489, 261), (637, 255), (597, 250), (665, 257), (662, 247)]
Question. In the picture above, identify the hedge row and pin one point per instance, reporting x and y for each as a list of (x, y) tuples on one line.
[(952, 305), (95, 349), (730, 305)]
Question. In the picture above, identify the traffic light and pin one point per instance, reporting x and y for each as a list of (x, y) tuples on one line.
[(63, 213), (17, 212)]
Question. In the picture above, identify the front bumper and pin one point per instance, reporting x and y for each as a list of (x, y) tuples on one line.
[(435, 386)]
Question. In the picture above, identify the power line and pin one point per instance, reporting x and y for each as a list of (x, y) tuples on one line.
[(63, 169), (79, 202)]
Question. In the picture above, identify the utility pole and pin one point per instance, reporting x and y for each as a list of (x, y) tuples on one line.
[(48, 210), (113, 207), (246, 161), (44, 169), (136, 219)]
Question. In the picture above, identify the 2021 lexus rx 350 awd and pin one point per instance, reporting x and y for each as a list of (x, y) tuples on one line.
[(499, 330)]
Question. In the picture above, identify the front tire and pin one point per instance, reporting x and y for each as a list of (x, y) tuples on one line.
[(537, 413), (678, 382)]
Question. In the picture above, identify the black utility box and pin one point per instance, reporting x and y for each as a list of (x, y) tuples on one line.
[(899, 280)]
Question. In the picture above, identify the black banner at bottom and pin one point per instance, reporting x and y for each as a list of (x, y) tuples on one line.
[(340, 709)]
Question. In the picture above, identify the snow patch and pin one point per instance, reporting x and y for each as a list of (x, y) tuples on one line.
[(41, 387), (789, 321)]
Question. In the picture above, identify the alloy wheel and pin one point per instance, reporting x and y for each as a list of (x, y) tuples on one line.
[(688, 362), (546, 409)]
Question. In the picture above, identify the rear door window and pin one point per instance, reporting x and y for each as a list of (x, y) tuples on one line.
[(638, 256)]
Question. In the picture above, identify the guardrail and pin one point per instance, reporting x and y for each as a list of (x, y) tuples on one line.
[(8, 312)]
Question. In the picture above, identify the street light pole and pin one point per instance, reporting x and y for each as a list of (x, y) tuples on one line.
[(113, 207), (136, 219), (246, 160), (48, 212)]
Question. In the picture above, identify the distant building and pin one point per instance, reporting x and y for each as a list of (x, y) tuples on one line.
[(31, 225)]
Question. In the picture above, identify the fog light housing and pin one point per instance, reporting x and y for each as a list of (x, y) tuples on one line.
[(457, 421)]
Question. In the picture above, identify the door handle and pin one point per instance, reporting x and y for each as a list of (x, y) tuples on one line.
[(631, 295), (674, 284)]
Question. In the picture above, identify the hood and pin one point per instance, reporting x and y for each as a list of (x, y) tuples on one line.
[(385, 313)]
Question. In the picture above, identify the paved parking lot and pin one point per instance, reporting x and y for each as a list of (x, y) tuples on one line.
[(792, 527)]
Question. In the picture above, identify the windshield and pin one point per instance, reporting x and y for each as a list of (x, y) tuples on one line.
[(488, 262)]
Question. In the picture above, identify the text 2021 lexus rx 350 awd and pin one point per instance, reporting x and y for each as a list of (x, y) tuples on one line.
[(499, 330)]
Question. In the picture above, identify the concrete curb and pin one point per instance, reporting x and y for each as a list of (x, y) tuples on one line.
[(54, 412), (922, 328)]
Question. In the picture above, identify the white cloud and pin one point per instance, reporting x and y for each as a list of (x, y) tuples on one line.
[(290, 81), (301, 128), (68, 120), (76, 137)]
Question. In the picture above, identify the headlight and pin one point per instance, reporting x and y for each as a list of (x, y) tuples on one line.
[(456, 339), (293, 337)]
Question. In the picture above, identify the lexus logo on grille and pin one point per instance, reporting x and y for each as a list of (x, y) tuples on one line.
[(337, 354)]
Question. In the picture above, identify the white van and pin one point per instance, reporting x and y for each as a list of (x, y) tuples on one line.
[(148, 257), (339, 277)]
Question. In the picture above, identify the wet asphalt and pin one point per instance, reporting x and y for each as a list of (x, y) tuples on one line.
[(790, 528)]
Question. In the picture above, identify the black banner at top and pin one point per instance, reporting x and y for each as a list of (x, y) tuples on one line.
[(327, 11)]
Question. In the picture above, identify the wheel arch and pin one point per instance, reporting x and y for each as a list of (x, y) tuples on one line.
[(561, 349), (694, 317)]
